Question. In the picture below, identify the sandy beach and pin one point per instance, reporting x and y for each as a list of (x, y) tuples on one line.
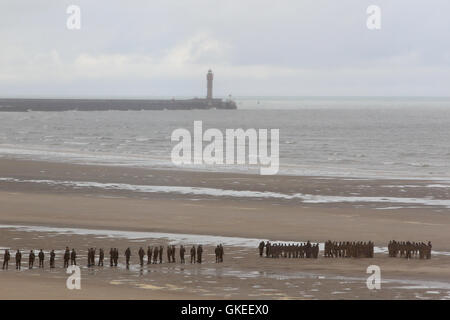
[(28, 201), (306, 143)]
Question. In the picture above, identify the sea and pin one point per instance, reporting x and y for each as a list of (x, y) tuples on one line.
[(379, 137)]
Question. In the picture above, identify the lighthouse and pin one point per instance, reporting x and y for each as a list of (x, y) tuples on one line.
[(209, 85)]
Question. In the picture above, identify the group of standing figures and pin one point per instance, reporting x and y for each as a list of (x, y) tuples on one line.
[(31, 259), (409, 249), (347, 249), (154, 255), (298, 250)]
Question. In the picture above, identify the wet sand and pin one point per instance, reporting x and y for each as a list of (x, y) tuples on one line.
[(243, 274)]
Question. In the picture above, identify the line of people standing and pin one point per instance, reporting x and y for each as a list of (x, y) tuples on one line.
[(348, 249), (298, 250), (409, 249), (31, 259), (154, 256)]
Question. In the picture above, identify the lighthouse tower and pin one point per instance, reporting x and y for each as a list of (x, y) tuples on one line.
[(209, 86)]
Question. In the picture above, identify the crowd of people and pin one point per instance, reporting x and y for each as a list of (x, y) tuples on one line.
[(409, 249), (297, 250), (332, 249), (347, 249), (344, 249), (154, 255)]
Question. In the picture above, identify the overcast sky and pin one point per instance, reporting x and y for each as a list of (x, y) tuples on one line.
[(255, 47)]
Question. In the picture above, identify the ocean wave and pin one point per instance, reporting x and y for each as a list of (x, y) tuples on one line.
[(131, 155)]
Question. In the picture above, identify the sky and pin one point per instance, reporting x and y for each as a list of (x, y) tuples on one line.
[(144, 48)]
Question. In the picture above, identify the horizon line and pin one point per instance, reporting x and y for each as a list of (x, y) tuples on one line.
[(139, 97)]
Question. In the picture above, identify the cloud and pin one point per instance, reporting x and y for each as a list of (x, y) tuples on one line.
[(201, 48), (254, 48)]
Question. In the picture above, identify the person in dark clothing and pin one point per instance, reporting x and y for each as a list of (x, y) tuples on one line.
[(141, 254), (18, 260), (41, 257), (173, 252), (31, 258), (127, 257), (92, 263), (261, 248), (193, 259), (182, 251), (66, 257), (6, 258), (268, 253), (52, 259), (160, 253), (217, 253), (101, 257), (116, 256), (89, 257), (169, 254), (308, 249), (199, 253), (155, 254), (73, 257), (221, 253), (111, 257)]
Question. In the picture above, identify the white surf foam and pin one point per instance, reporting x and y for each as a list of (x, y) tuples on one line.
[(174, 238), (305, 198)]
